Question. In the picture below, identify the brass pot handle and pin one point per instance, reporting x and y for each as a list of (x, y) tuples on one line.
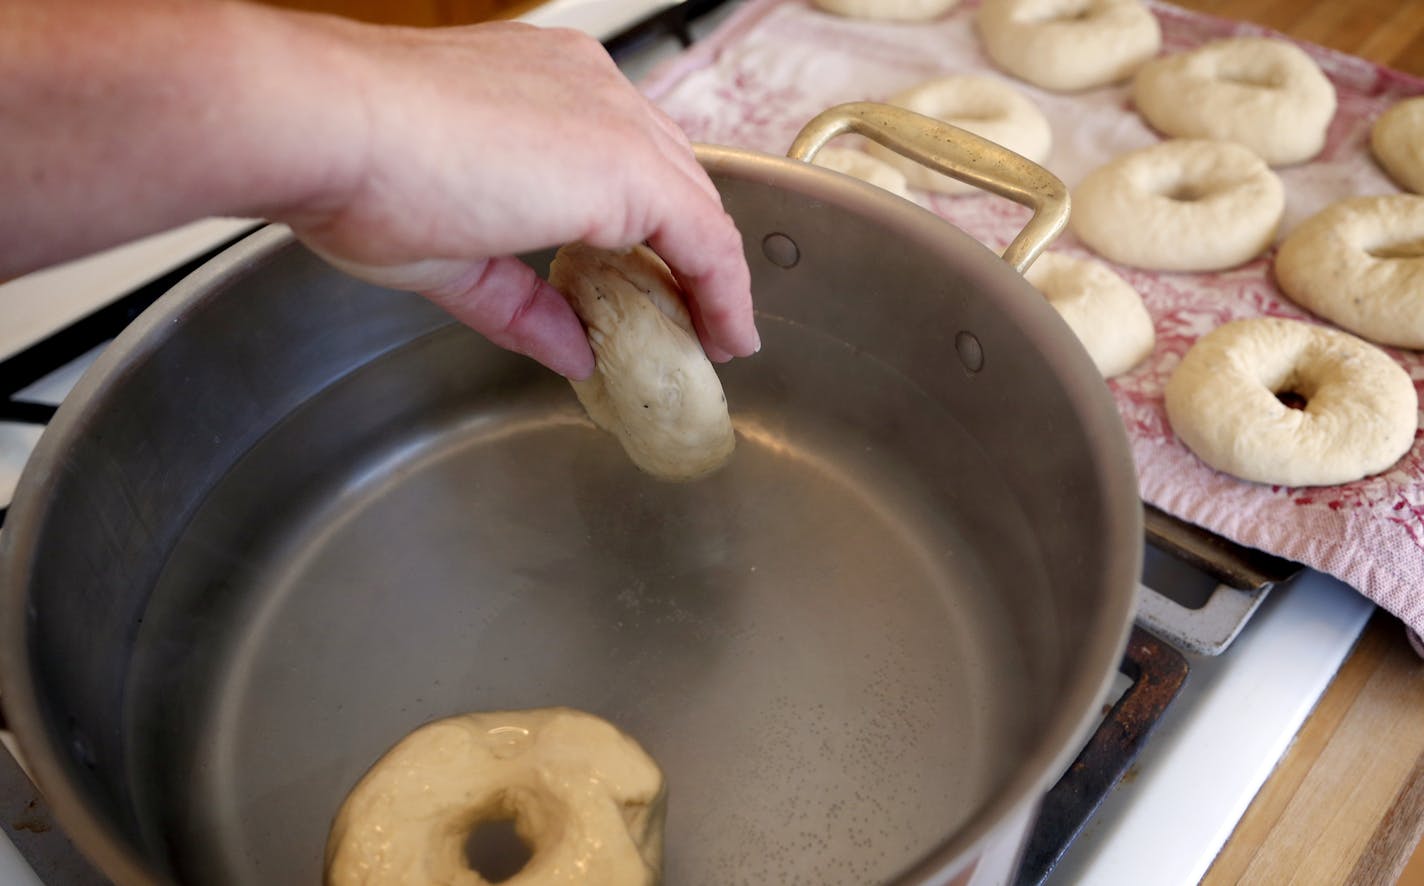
[(955, 152)]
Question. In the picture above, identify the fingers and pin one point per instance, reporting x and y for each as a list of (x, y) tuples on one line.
[(713, 351), (682, 219), (533, 139), (500, 298), (701, 245), (669, 126), (676, 147), (704, 250), (505, 301)]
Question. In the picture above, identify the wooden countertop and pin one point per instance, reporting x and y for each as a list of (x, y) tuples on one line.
[(1389, 32), (1346, 803)]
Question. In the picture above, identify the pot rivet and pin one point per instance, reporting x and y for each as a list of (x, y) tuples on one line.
[(971, 353), (781, 250)]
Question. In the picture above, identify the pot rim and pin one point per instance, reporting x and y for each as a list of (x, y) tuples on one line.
[(95, 838), (1055, 748)]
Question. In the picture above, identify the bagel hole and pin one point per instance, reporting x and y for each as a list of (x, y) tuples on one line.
[(1250, 77), (1185, 192), (495, 851), (970, 115), (1399, 249), (1292, 399)]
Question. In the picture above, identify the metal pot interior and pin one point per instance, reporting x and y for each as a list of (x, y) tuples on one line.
[(289, 517)]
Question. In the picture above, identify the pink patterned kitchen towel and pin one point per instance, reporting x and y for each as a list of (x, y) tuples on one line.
[(775, 64)]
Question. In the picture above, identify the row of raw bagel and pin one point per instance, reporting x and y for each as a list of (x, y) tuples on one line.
[(1291, 403), (1238, 223), (1266, 94), (1194, 204), (1063, 45)]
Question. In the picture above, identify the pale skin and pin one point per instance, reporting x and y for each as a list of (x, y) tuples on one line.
[(418, 159)]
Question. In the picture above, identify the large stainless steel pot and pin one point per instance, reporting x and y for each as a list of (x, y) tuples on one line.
[(287, 517)]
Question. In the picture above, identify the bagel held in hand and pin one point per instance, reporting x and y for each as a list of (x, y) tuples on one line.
[(1358, 409), (585, 798), (652, 386)]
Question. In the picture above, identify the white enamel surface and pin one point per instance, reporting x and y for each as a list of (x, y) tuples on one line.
[(13, 869), (33, 306), (598, 18), (1220, 741)]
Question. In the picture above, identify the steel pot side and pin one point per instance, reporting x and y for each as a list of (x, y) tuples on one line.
[(1089, 668), (70, 732)]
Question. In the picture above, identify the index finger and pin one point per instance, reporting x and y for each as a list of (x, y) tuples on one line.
[(703, 248)]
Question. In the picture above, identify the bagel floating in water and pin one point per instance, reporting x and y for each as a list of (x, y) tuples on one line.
[(652, 385), (584, 798)]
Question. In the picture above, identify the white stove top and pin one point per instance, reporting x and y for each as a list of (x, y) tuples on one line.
[(1198, 773), (1220, 740)]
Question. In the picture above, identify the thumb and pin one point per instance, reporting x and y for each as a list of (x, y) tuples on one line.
[(500, 298), (505, 301)]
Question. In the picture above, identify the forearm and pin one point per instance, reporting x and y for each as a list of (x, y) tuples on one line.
[(124, 118), (423, 160)]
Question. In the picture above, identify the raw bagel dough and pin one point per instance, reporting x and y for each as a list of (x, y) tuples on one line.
[(889, 10), (584, 797), (985, 106), (1397, 139), (1181, 205), (652, 386), (1360, 410), (861, 165), (1101, 308), (1265, 94), (1359, 263), (1069, 45)]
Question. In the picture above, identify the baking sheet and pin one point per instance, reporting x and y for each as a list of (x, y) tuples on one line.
[(777, 63)]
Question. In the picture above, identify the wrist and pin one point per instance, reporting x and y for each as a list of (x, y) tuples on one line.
[(301, 92), (125, 121)]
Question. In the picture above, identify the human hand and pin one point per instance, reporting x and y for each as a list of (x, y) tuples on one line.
[(475, 144)]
